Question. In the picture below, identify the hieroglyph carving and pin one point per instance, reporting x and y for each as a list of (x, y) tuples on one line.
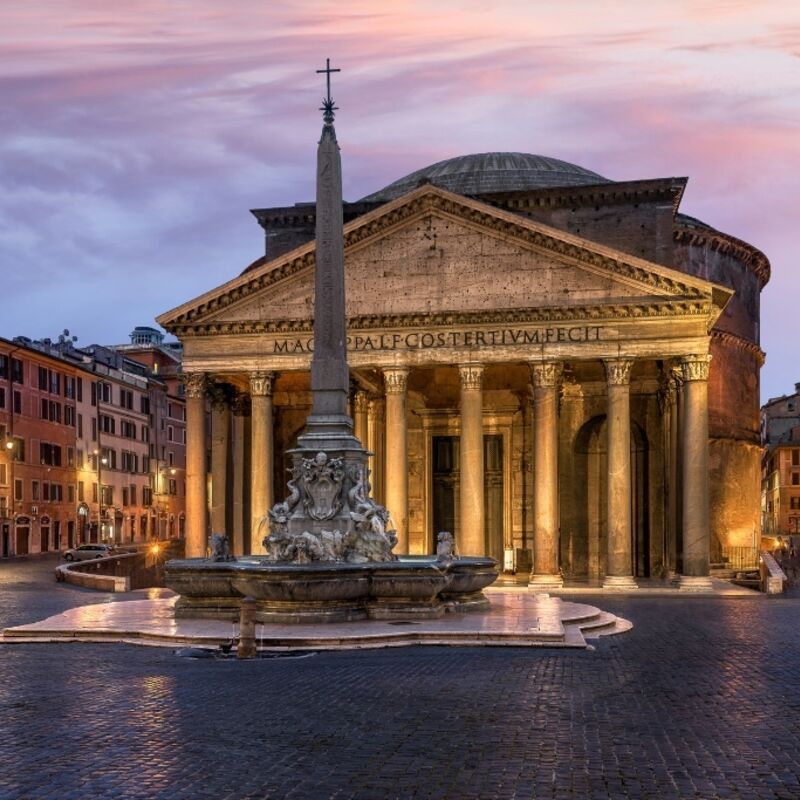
[(618, 372)]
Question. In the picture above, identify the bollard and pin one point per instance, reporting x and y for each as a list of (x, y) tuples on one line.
[(247, 629)]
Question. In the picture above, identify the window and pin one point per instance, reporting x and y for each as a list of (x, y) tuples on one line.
[(173, 486), (796, 479), (105, 392), (80, 390), (55, 383), (69, 387), (126, 398), (17, 489), (43, 378), (94, 429), (107, 424), (145, 464), (127, 429), (94, 492), (3, 475), (125, 496), (80, 426), (3, 366), (80, 492), (170, 458), (70, 456), (169, 409), (108, 495), (35, 490), (94, 393), (19, 448), (796, 458), (2, 397), (794, 502), (70, 493), (144, 404), (50, 454), (183, 435), (170, 433), (16, 371), (45, 408), (69, 415), (45, 491), (147, 496), (55, 412), (133, 494), (17, 403)]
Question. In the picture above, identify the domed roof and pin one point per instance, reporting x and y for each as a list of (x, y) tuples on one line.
[(482, 173)]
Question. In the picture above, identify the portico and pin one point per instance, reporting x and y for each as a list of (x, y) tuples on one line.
[(509, 378)]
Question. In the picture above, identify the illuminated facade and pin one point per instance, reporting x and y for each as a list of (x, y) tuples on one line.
[(560, 369)]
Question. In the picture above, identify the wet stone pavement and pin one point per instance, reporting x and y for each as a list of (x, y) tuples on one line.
[(699, 700)]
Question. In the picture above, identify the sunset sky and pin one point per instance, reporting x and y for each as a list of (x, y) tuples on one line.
[(136, 135)]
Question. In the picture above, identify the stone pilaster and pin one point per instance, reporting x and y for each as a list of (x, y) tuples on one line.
[(196, 475), (261, 454), (545, 574), (694, 452), (471, 537), (396, 382), (375, 412), (619, 567)]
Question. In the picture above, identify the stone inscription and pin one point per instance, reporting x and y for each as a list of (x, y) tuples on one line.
[(426, 340)]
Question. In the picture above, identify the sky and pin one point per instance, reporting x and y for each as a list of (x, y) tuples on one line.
[(136, 135)]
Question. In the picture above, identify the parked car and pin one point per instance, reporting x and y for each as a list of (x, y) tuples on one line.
[(85, 551)]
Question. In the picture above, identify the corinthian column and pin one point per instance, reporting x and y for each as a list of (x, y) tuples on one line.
[(471, 537), (619, 570), (694, 451), (545, 574), (375, 446), (360, 404), (261, 455), (220, 449), (196, 494), (396, 380)]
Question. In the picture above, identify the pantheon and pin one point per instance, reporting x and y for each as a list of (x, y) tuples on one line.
[(559, 368)]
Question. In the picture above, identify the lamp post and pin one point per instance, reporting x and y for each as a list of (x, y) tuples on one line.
[(8, 512)]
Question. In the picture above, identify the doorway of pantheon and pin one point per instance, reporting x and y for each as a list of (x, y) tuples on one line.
[(445, 487), (585, 550)]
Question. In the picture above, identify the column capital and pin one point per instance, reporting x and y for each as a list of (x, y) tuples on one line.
[(546, 374), (695, 367), (618, 371), (395, 379), (221, 394), (261, 383), (360, 401), (241, 405), (375, 408), (471, 376), (195, 383)]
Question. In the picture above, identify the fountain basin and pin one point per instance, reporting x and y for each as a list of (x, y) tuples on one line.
[(413, 587)]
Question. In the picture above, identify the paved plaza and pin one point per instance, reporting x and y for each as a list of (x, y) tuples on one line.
[(699, 700)]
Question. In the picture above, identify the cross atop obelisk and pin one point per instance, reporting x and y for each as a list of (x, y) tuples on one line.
[(327, 102), (329, 424)]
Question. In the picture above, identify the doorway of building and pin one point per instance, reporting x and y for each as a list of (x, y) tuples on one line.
[(6, 540), (587, 550), (23, 536), (445, 489)]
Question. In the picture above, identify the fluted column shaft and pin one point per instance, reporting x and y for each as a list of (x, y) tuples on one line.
[(220, 447), (396, 380), (694, 452), (619, 569), (471, 538), (546, 377), (196, 475), (261, 453)]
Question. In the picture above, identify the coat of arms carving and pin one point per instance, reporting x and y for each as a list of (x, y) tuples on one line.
[(322, 479)]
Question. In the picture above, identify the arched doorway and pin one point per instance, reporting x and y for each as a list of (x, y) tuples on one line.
[(587, 548)]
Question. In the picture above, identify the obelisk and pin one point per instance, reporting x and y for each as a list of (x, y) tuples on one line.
[(329, 425)]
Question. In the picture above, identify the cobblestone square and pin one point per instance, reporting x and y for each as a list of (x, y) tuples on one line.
[(699, 700)]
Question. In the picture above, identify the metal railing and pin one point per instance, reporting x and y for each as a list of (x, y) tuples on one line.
[(739, 558)]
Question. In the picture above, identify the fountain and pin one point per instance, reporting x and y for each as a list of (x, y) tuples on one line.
[(329, 551)]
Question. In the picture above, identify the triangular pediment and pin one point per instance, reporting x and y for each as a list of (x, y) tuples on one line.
[(432, 252)]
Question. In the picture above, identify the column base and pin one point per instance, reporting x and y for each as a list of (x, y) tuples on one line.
[(619, 583), (545, 583), (692, 583)]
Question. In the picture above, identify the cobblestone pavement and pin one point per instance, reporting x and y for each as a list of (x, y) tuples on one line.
[(700, 700)]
